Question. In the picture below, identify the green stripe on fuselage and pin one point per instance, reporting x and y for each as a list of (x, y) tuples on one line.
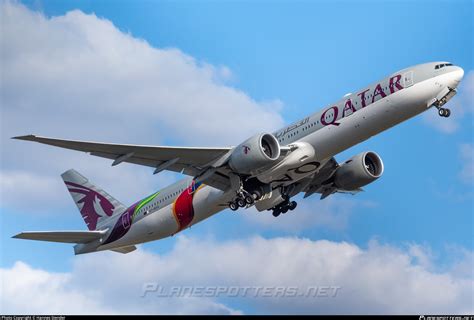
[(144, 202)]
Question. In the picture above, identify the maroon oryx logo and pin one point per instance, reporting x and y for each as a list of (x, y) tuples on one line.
[(246, 149), (91, 201)]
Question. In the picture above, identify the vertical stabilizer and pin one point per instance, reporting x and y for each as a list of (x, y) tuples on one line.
[(96, 205)]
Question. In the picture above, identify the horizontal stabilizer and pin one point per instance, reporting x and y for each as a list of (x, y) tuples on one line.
[(125, 249), (61, 236)]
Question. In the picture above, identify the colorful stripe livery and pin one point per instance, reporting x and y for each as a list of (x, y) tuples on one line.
[(126, 219), (89, 206), (183, 209)]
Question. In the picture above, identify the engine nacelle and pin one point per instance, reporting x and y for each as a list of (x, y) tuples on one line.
[(256, 152), (359, 171)]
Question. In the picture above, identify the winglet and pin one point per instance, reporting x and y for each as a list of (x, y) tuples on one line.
[(29, 137)]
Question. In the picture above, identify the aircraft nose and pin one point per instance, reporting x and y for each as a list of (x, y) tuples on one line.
[(458, 74)]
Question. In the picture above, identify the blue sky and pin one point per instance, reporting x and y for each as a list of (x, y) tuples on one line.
[(291, 58)]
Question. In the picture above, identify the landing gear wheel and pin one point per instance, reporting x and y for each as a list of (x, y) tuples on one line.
[(444, 112), (276, 212), (249, 199), (233, 206), (292, 205), (241, 202), (284, 210)]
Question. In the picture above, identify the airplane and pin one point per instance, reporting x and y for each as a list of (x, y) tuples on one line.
[(265, 171)]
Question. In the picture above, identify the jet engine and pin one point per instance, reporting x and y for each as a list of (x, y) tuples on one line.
[(255, 153), (359, 171)]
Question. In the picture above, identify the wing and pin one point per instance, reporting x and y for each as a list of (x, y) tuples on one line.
[(323, 184), (187, 160), (61, 236)]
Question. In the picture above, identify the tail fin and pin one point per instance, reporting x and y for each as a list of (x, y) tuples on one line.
[(95, 205)]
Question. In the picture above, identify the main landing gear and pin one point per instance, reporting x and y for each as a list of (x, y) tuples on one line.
[(246, 192), (284, 207), (243, 199)]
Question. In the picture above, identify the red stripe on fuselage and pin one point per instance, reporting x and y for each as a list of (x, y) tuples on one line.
[(183, 209)]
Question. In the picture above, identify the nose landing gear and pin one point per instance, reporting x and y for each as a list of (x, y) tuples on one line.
[(443, 112), (443, 97)]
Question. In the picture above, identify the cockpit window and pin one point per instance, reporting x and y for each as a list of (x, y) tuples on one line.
[(439, 66)]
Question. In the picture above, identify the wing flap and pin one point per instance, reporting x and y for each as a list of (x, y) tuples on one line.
[(61, 236), (176, 167)]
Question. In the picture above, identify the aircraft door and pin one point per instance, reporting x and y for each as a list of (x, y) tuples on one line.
[(126, 220), (408, 79)]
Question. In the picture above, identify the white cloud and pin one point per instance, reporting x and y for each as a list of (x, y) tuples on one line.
[(41, 291), (77, 76), (378, 279), (422, 255), (42, 188), (467, 158), (27, 290), (461, 105), (80, 73)]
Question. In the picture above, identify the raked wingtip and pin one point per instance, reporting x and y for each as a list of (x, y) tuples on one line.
[(29, 137)]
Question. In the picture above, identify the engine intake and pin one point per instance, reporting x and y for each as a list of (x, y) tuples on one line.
[(358, 171), (255, 153)]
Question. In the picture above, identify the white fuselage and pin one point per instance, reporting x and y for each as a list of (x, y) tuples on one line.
[(329, 132)]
